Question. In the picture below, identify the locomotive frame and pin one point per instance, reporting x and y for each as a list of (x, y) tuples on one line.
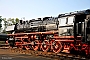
[(74, 39)]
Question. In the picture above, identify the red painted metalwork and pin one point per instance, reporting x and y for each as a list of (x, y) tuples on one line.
[(52, 45), (65, 37), (36, 45), (45, 47), (7, 42), (57, 46)]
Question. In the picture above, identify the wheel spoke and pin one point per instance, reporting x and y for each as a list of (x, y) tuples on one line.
[(36, 45), (57, 47), (45, 46)]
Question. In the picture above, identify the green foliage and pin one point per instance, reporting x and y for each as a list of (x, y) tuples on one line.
[(9, 22), (12, 21), (17, 20), (1, 23)]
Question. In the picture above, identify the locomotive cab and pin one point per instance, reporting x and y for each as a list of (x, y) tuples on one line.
[(74, 31), (75, 24), (81, 26), (87, 33)]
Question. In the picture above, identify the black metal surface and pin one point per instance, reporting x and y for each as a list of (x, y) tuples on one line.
[(3, 37)]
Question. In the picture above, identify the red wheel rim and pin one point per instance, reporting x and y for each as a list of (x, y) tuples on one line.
[(57, 47), (36, 45), (45, 46)]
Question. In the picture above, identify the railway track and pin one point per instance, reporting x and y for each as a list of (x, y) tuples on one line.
[(59, 56)]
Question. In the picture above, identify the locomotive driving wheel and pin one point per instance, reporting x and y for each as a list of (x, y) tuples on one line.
[(57, 46), (45, 46), (35, 45)]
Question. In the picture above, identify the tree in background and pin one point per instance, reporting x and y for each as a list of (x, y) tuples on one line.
[(5, 24), (1, 23), (12, 21), (9, 22)]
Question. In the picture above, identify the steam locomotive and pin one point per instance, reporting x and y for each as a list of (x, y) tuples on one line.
[(72, 33)]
